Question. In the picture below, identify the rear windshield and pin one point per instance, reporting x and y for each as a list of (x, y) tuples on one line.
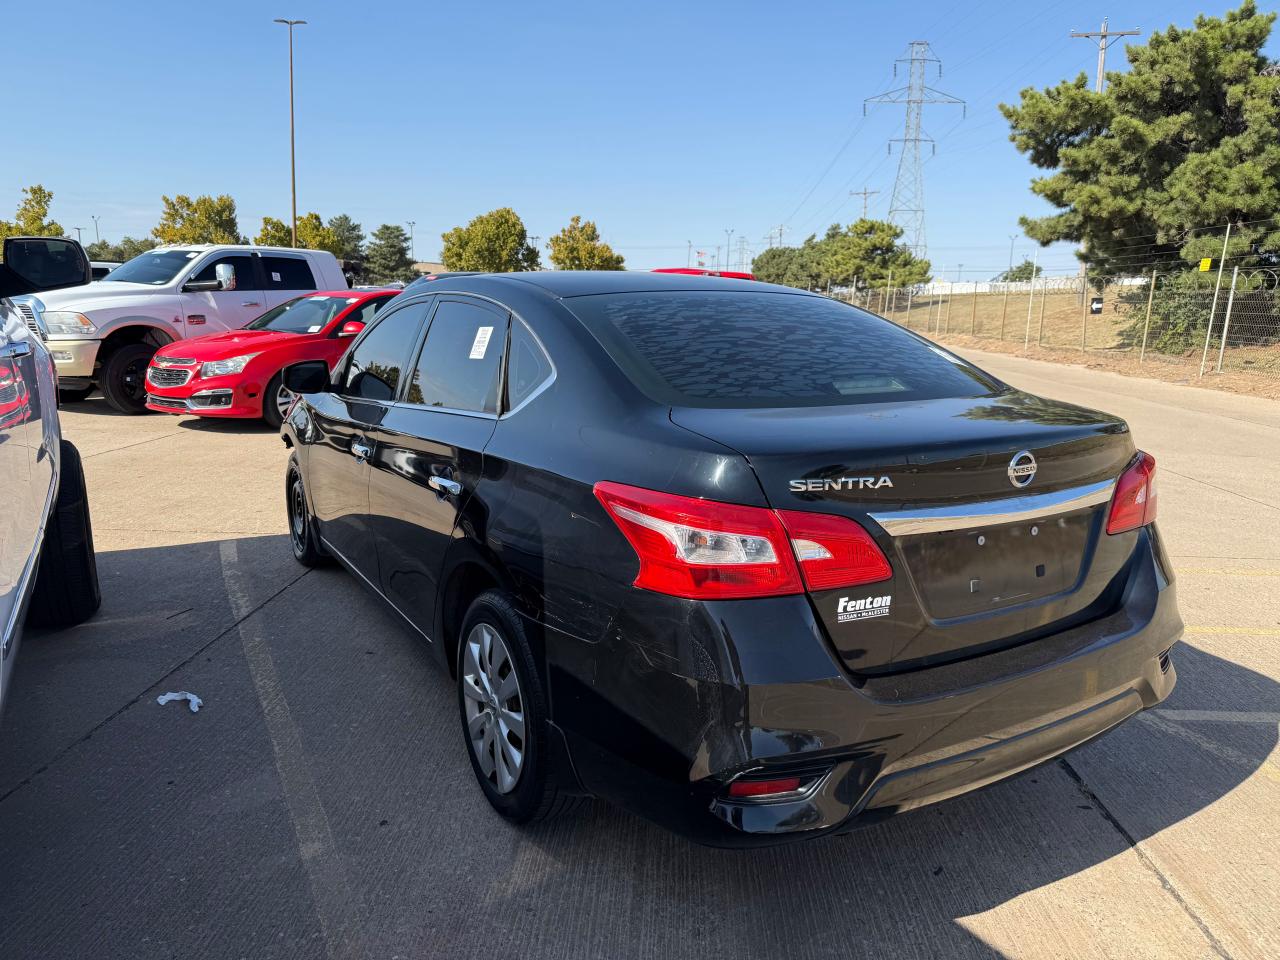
[(760, 349)]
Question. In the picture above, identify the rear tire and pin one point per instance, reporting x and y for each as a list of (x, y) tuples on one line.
[(124, 378), (504, 714), (302, 534), (66, 590)]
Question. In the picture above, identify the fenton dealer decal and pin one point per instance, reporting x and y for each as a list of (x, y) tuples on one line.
[(863, 608)]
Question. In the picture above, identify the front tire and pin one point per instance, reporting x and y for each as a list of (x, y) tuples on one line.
[(504, 714), (66, 590), (124, 378), (302, 534), (275, 401)]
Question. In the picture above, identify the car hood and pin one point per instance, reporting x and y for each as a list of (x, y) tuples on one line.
[(100, 295), (234, 343)]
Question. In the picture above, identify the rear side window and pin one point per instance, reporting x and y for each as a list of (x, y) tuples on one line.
[(528, 369), (245, 277), (288, 273), (374, 368), (461, 359), (705, 349)]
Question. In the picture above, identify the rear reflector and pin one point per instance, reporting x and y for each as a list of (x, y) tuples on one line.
[(1133, 504), (763, 788), (706, 550)]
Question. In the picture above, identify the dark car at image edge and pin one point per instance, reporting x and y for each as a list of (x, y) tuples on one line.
[(752, 563)]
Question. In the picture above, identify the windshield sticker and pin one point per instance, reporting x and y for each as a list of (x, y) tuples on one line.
[(862, 609), (193, 253), (314, 328), (319, 298), (481, 343), (349, 299)]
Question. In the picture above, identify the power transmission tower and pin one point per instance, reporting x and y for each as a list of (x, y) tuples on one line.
[(1104, 38), (742, 253), (906, 207), (864, 193)]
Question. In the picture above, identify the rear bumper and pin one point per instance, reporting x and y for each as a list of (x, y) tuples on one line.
[(869, 748), (74, 358)]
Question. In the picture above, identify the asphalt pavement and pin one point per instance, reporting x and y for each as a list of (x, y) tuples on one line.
[(321, 803)]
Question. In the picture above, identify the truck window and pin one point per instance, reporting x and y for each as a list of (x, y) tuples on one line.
[(288, 273), (246, 279)]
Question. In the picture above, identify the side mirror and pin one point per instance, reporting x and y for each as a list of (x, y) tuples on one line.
[(309, 376), (351, 328), (36, 264), (226, 275)]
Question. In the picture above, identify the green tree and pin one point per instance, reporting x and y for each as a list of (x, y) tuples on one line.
[(126, 249), (773, 265), (386, 257), (204, 219), (867, 255), (32, 218), (1025, 270), (349, 235), (312, 234), (1189, 137), (494, 242), (578, 247)]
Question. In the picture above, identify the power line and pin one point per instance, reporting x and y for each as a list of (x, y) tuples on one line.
[(865, 194)]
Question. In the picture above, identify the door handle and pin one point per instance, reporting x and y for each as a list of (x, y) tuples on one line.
[(361, 451), (15, 349), (443, 486), (250, 303)]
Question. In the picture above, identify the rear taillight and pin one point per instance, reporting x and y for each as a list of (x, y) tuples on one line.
[(706, 550), (1133, 504), (833, 551)]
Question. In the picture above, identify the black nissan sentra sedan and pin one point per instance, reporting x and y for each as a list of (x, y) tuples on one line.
[(753, 563)]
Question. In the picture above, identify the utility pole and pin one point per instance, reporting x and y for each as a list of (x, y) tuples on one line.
[(97, 237), (906, 207), (293, 168), (1012, 238), (728, 239), (1104, 38), (742, 254), (411, 224), (864, 193), (77, 230), (688, 260)]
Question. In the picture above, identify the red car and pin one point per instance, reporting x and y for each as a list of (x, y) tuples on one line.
[(237, 374), (699, 272)]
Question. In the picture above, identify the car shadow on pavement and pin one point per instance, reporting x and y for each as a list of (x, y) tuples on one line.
[(322, 799), (227, 425)]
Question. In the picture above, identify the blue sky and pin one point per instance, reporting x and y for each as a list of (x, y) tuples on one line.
[(663, 122)]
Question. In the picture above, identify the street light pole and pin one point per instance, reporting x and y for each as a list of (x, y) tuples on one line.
[(1012, 238), (97, 237), (411, 224), (728, 238), (77, 230), (293, 169)]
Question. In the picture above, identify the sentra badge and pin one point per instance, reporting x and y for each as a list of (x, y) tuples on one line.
[(840, 483), (862, 608)]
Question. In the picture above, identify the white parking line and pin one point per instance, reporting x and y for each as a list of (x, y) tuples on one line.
[(1221, 716), (339, 906)]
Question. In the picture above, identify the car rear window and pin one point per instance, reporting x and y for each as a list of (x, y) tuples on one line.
[(761, 349)]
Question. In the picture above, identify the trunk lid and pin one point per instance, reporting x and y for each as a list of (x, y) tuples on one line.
[(984, 552)]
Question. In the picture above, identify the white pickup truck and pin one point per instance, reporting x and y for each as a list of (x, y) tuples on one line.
[(104, 334)]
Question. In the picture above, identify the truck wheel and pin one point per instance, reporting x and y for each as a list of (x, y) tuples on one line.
[(67, 582), (73, 394), (124, 377)]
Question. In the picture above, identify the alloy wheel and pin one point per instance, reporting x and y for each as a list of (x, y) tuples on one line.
[(494, 707), (284, 397)]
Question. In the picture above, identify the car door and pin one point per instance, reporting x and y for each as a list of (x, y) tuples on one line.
[(344, 421), (430, 449), (216, 311), (24, 485), (284, 277)]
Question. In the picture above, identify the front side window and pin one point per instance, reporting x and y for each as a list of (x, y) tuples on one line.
[(373, 369), (287, 273), (761, 349), (154, 267), (245, 278), (460, 364)]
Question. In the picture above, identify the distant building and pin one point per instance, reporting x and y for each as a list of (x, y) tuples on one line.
[(425, 266)]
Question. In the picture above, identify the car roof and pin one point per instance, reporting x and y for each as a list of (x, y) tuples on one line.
[(585, 283), (348, 294)]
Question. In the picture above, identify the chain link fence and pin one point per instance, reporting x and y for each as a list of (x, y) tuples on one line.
[(1221, 326)]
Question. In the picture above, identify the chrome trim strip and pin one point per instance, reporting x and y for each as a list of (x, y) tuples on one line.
[(903, 523)]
